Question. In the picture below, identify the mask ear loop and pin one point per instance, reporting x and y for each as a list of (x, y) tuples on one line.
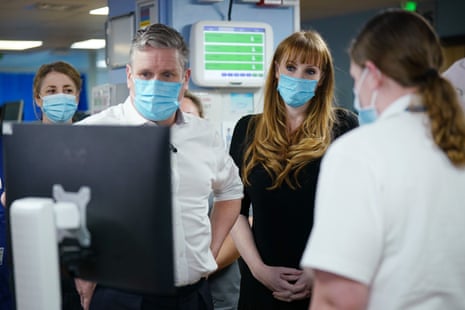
[(34, 109), (361, 80), (374, 95), (357, 88)]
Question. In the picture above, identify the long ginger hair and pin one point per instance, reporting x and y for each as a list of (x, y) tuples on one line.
[(283, 154)]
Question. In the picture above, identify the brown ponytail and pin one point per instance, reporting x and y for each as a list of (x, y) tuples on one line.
[(446, 118), (405, 47)]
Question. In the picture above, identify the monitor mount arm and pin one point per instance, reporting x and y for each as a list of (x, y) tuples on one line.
[(78, 228), (72, 232)]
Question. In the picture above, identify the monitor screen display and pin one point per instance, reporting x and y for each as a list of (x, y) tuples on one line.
[(129, 213), (230, 54), (12, 111)]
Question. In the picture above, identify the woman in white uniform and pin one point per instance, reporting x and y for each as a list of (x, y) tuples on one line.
[(390, 205)]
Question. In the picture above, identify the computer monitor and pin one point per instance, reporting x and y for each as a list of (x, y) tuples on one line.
[(129, 214), (12, 111), (230, 53)]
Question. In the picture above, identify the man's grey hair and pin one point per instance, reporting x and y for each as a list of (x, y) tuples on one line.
[(160, 36)]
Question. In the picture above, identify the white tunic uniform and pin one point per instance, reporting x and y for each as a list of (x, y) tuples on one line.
[(390, 213)]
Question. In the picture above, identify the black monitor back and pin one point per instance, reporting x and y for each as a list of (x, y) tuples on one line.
[(129, 214)]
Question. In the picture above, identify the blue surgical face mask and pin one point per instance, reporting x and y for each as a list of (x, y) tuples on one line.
[(369, 114), (294, 91), (59, 108), (156, 100)]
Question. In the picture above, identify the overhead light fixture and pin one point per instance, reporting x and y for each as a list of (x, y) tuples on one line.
[(99, 11), (93, 44), (14, 45), (44, 6)]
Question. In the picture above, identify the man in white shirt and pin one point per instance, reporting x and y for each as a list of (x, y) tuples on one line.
[(157, 77)]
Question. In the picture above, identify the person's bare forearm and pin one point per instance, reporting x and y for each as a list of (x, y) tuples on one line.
[(228, 253), (86, 291), (222, 218), (333, 292), (243, 239)]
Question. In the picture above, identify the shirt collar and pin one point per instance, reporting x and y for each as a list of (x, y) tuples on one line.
[(180, 119), (131, 114), (400, 105)]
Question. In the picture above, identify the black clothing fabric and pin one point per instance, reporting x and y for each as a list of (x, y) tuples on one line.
[(70, 299), (282, 218), (191, 297)]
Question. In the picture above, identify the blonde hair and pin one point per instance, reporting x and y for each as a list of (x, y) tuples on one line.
[(283, 155), (196, 101), (414, 59)]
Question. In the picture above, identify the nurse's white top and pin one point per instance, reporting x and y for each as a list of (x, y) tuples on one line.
[(390, 213)]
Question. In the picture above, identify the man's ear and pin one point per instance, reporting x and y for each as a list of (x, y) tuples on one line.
[(186, 79), (185, 84), (187, 76), (128, 75)]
